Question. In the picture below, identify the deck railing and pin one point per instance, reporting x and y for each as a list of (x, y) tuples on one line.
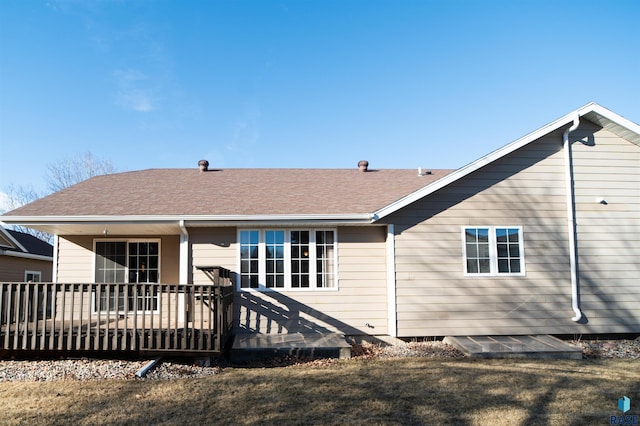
[(116, 317)]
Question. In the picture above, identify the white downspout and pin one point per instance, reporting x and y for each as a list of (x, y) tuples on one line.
[(392, 325), (571, 226)]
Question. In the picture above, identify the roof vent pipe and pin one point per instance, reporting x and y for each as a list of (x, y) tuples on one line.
[(363, 165), (203, 165), (571, 225)]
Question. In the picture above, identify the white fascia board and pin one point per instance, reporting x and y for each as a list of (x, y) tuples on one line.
[(189, 219), (27, 255), (501, 152), (256, 220)]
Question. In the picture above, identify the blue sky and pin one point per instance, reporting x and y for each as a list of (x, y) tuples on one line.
[(403, 84)]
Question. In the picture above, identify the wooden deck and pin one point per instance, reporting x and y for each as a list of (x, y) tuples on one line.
[(116, 317), (114, 335)]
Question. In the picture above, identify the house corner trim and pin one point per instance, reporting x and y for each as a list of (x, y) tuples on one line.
[(184, 254), (54, 266)]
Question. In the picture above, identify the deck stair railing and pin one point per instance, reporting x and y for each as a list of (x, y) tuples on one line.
[(116, 317)]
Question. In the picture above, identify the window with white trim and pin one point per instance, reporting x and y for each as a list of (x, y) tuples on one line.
[(127, 261), (32, 276), (493, 250), (289, 259)]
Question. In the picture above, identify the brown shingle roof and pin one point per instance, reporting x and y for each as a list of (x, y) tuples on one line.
[(231, 192)]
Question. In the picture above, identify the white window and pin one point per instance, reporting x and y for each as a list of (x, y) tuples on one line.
[(493, 250), (287, 259), (122, 262), (32, 276)]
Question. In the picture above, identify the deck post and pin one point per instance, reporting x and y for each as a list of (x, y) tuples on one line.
[(114, 340), (219, 314), (61, 317), (178, 307), (96, 304), (187, 294), (70, 336), (105, 341), (181, 302), (24, 314), (80, 322), (54, 300), (45, 306), (134, 332)]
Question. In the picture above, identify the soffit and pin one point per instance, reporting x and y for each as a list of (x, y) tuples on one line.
[(112, 229), (614, 127)]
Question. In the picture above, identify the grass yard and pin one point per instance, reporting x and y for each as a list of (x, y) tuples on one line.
[(381, 391)]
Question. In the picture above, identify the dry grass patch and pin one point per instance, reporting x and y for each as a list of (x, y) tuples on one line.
[(390, 391)]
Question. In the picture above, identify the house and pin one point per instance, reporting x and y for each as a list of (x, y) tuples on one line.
[(541, 236), (24, 257)]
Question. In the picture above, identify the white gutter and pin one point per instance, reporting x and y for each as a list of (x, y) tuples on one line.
[(65, 224), (27, 255), (571, 225), (137, 219), (392, 325), (184, 253)]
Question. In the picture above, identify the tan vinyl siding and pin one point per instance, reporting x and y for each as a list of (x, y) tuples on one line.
[(358, 305), (526, 188), (76, 257), (12, 268), (170, 259), (212, 247), (608, 235)]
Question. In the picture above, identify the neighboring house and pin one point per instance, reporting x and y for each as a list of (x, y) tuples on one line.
[(24, 258), (540, 236)]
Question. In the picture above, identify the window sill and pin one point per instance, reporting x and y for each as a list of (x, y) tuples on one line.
[(494, 275)]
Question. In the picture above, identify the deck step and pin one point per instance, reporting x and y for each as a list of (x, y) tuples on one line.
[(250, 347), (533, 346)]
